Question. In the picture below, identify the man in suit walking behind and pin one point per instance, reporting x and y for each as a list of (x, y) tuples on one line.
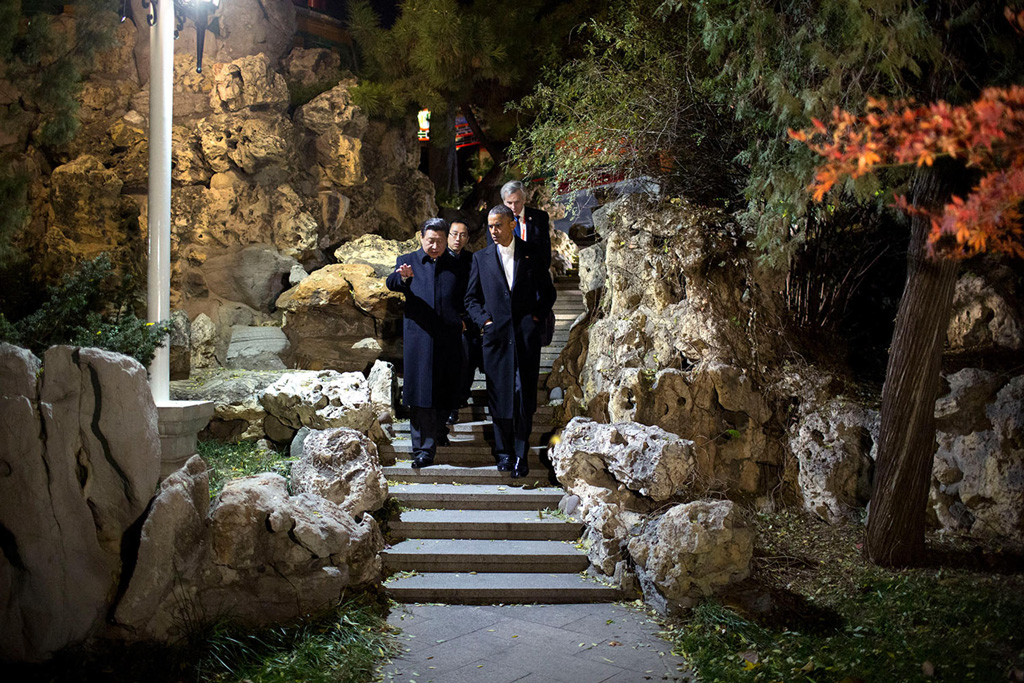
[(458, 236), (508, 296), (533, 226), (434, 286)]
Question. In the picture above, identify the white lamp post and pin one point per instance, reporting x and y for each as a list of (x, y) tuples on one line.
[(178, 421), (163, 28)]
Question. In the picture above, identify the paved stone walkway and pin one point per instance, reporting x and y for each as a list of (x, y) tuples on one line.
[(588, 643)]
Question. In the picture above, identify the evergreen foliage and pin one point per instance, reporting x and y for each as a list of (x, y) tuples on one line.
[(89, 307), (446, 56), (763, 67)]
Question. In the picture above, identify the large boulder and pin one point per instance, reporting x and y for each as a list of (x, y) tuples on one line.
[(260, 556), (319, 400), (676, 338), (88, 460), (335, 308), (978, 471), (620, 473), (691, 552), (341, 465), (834, 439), (376, 252)]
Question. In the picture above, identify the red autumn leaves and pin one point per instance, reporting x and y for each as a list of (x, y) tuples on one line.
[(987, 134)]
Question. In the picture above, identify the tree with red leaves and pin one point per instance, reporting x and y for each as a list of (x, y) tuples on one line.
[(986, 135)]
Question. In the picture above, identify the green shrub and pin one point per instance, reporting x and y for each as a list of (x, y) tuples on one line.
[(90, 306)]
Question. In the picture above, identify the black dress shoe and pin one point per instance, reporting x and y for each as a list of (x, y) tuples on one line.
[(422, 461), (453, 418), (504, 463), (520, 468)]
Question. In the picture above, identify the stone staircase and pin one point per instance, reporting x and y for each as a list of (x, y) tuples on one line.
[(469, 534)]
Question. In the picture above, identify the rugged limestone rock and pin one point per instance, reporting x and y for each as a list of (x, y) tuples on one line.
[(180, 345), (987, 315), (691, 552), (619, 472), (319, 400), (834, 439), (341, 465), (161, 601), (88, 460), (238, 413), (260, 556), (383, 385), (668, 341), (89, 216), (564, 252), (375, 251), (332, 310), (978, 471), (202, 336)]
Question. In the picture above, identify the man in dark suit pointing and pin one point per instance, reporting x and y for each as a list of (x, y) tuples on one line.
[(509, 295), (434, 286)]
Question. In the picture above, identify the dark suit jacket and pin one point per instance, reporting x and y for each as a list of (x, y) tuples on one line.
[(538, 233), (512, 342), (432, 331)]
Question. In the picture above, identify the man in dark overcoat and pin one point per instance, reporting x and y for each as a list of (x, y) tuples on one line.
[(434, 286), (458, 237), (508, 296)]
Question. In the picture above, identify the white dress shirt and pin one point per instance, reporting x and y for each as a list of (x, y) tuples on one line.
[(507, 256)]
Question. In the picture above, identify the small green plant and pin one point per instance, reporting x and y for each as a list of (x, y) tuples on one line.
[(343, 646), (90, 306), (226, 461)]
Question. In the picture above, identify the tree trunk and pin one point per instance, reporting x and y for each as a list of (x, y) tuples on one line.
[(896, 525)]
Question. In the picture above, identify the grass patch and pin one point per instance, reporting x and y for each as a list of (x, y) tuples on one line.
[(345, 645), (226, 461), (835, 617)]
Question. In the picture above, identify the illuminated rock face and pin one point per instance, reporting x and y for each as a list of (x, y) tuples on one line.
[(260, 176)]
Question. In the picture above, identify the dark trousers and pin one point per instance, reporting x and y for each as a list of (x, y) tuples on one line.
[(426, 425), (472, 358), (512, 437)]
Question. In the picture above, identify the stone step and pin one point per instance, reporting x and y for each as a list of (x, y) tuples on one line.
[(478, 411), (475, 497), (482, 555), (402, 472), (471, 429), (478, 455), (494, 588), (492, 524)]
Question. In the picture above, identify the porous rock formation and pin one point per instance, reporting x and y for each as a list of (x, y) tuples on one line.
[(264, 185), (674, 337), (978, 470), (629, 482)]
